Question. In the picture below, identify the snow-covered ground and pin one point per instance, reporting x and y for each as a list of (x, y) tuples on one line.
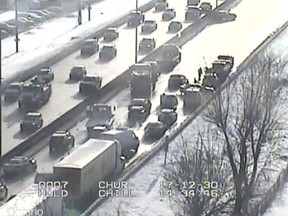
[(280, 205), (47, 39), (145, 184)]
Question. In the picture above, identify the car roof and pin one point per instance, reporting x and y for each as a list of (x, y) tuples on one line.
[(36, 114), (147, 40), (90, 76), (45, 69), (18, 157), (167, 111), (112, 29), (79, 66), (59, 133), (108, 46), (90, 40), (16, 84), (153, 124), (149, 21), (139, 100), (175, 21), (176, 76)]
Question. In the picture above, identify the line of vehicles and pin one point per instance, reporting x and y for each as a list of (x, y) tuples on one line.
[(108, 149), (104, 154)]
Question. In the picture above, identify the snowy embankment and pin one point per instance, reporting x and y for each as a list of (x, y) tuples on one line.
[(145, 184), (39, 46)]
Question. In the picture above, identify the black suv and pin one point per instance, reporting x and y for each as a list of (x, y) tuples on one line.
[(61, 140), (32, 121)]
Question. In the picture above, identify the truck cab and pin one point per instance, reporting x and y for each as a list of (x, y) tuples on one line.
[(101, 118), (142, 84), (136, 18), (90, 84), (34, 96), (61, 140), (139, 110), (127, 139), (168, 101)]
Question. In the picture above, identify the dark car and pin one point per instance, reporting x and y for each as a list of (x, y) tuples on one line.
[(13, 91), (10, 29), (175, 26), (31, 122), (77, 72), (168, 14), (167, 117), (161, 5), (108, 52), (192, 13), (19, 165), (149, 26), (61, 140), (193, 2), (90, 83), (154, 130), (45, 76), (90, 47), (139, 110), (136, 18), (176, 81), (206, 7), (111, 34), (147, 45)]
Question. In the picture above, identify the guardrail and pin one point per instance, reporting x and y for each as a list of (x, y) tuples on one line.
[(120, 82), (173, 133), (71, 48)]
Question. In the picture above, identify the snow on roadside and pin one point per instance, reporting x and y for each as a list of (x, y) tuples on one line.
[(40, 44), (145, 184)]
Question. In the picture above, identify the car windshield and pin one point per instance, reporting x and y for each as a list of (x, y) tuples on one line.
[(110, 31), (16, 161), (175, 77), (31, 89), (88, 79), (30, 118), (170, 99), (169, 10), (205, 5), (174, 24), (154, 125), (108, 48), (146, 41), (88, 43), (77, 68), (149, 22), (57, 139), (13, 88)]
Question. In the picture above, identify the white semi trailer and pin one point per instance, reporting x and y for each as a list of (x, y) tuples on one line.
[(96, 160)]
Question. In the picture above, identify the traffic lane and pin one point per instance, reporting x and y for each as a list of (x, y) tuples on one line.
[(46, 161), (66, 93), (233, 38)]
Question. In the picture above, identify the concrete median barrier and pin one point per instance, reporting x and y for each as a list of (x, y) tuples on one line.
[(70, 48)]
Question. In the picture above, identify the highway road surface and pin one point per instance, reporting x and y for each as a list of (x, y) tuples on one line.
[(145, 184), (218, 39), (65, 94)]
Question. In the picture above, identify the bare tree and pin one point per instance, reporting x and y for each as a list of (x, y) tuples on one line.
[(118, 211), (198, 177), (246, 113)]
